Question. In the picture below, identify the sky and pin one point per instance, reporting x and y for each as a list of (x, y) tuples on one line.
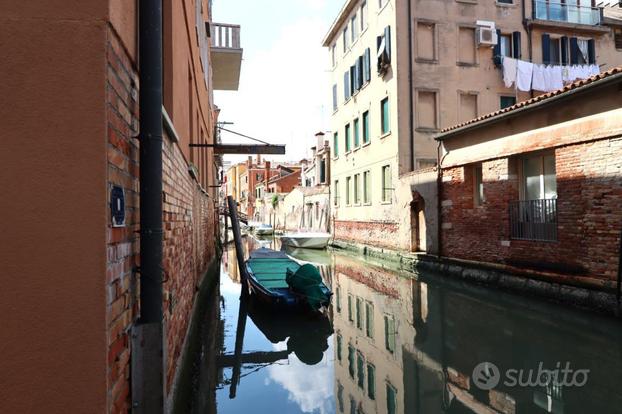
[(284, 94)]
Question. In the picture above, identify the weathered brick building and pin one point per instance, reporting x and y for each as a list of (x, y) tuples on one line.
[(72, 239), (537, 187)]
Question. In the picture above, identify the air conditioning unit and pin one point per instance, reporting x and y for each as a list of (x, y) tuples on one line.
[(486, 33)]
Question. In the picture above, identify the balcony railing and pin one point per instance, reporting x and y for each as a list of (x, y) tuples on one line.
[(567, 13), (225, 36), (533, 220)]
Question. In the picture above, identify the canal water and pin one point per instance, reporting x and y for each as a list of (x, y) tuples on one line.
[(401, 343)]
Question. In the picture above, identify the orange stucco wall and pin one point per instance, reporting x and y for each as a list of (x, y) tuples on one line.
[(53, 157)]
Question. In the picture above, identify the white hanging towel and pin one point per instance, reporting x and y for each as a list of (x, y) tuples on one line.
[(523, 75), (537, 81), (556, 78), (509, 71), (595, 69)]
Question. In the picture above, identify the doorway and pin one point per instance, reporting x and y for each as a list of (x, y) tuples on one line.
[(417, 224)]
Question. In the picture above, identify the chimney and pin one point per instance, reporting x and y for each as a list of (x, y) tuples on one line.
[(258, 159), (267, 174), (319, 137), (249, 162)]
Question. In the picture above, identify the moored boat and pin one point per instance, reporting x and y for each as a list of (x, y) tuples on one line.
[(278, 280), (306, 240), (264, 230)]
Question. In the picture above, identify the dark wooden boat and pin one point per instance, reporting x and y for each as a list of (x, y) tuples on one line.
[(277, 280)]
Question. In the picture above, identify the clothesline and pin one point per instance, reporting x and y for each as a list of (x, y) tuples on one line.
[(527, 76), (501, 58)]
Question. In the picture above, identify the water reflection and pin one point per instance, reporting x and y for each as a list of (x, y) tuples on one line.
[(402, 345)]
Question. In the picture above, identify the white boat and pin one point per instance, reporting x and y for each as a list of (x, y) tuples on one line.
[(306, 240), (264, 230)]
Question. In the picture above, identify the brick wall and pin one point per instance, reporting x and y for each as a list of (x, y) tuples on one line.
[(589, 188), (371, 233), (189, 239)]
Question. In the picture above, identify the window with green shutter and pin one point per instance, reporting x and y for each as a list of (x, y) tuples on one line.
[(348, 181), (385, 121), (348, 148), (360, 370), (365, 127), (350, 313), (371, 381), (340, 396), (338, 290), (387, 185), (359, 313), (369, 319), (366, 187), (356, 133), (339, 344), (357, 190), (336, 144), (389, 333), (336, 202), (391, 399), (351, 361)]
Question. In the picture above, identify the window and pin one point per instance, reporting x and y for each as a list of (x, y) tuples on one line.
[(389, 333), (357, 200), (426, 41), (505, 45), (539, 177), (506, 101), (350, 312), (360, 370), (371, 381), (340, 396), (346, 86), (366, 188), (334, 97), (466, 45), (617, 34), (345, 40), (338, 289), (357, 128), (427, 112), (385, 122), (583, 54), (339, 343), (506, 1), (348, 180), (351, 361), (478, 186), (359, 306), (534, 217), (367, 66), (391, 399), (555, 57), (365, 127), (336, 203), (354, 28), (369, 319), (363, 16), (386, 184), (348, 138), (352, 405), (468, 106), (332, 56), (336, 144)]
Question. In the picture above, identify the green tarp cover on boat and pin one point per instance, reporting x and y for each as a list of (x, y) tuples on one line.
[(307, 281), (271, 272)]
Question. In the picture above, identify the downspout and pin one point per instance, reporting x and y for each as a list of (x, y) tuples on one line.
[(619, 290), (148, 363), (410, 88), (439, 198), (528, 30)]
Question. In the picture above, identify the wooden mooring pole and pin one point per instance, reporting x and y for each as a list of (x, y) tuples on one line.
[(237, 238)]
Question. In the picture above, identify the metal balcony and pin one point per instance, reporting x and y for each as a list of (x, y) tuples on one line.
[(566, 14), (534, 220), (226, 56)]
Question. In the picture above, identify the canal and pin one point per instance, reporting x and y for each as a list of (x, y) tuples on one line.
[(402, 343)]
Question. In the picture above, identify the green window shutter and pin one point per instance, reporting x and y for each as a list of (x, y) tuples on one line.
[(369, 317), (359, 313), (336, 144), (366, 127), (350, 317), (339, 341), (351, 361), (356, 133), (391, 399), (371, 382), (360, 370), (340, 396), (348, 138), (389, 333)]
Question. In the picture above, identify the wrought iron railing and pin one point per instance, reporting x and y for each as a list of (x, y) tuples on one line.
[(533, 220), (566, 13)]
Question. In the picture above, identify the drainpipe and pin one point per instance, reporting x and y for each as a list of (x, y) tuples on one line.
[(619, 291), (439, 193), (528, 30), (410, 88), (147, 335)]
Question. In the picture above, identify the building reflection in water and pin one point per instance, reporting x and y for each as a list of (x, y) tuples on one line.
[(409, 345)]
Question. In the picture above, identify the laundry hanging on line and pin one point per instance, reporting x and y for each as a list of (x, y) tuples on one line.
[(527, 76)]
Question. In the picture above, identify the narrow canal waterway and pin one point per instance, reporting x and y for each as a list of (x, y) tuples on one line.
[(402, 344)]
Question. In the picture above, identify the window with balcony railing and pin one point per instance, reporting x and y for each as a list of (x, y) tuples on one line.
[(576, 12)]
